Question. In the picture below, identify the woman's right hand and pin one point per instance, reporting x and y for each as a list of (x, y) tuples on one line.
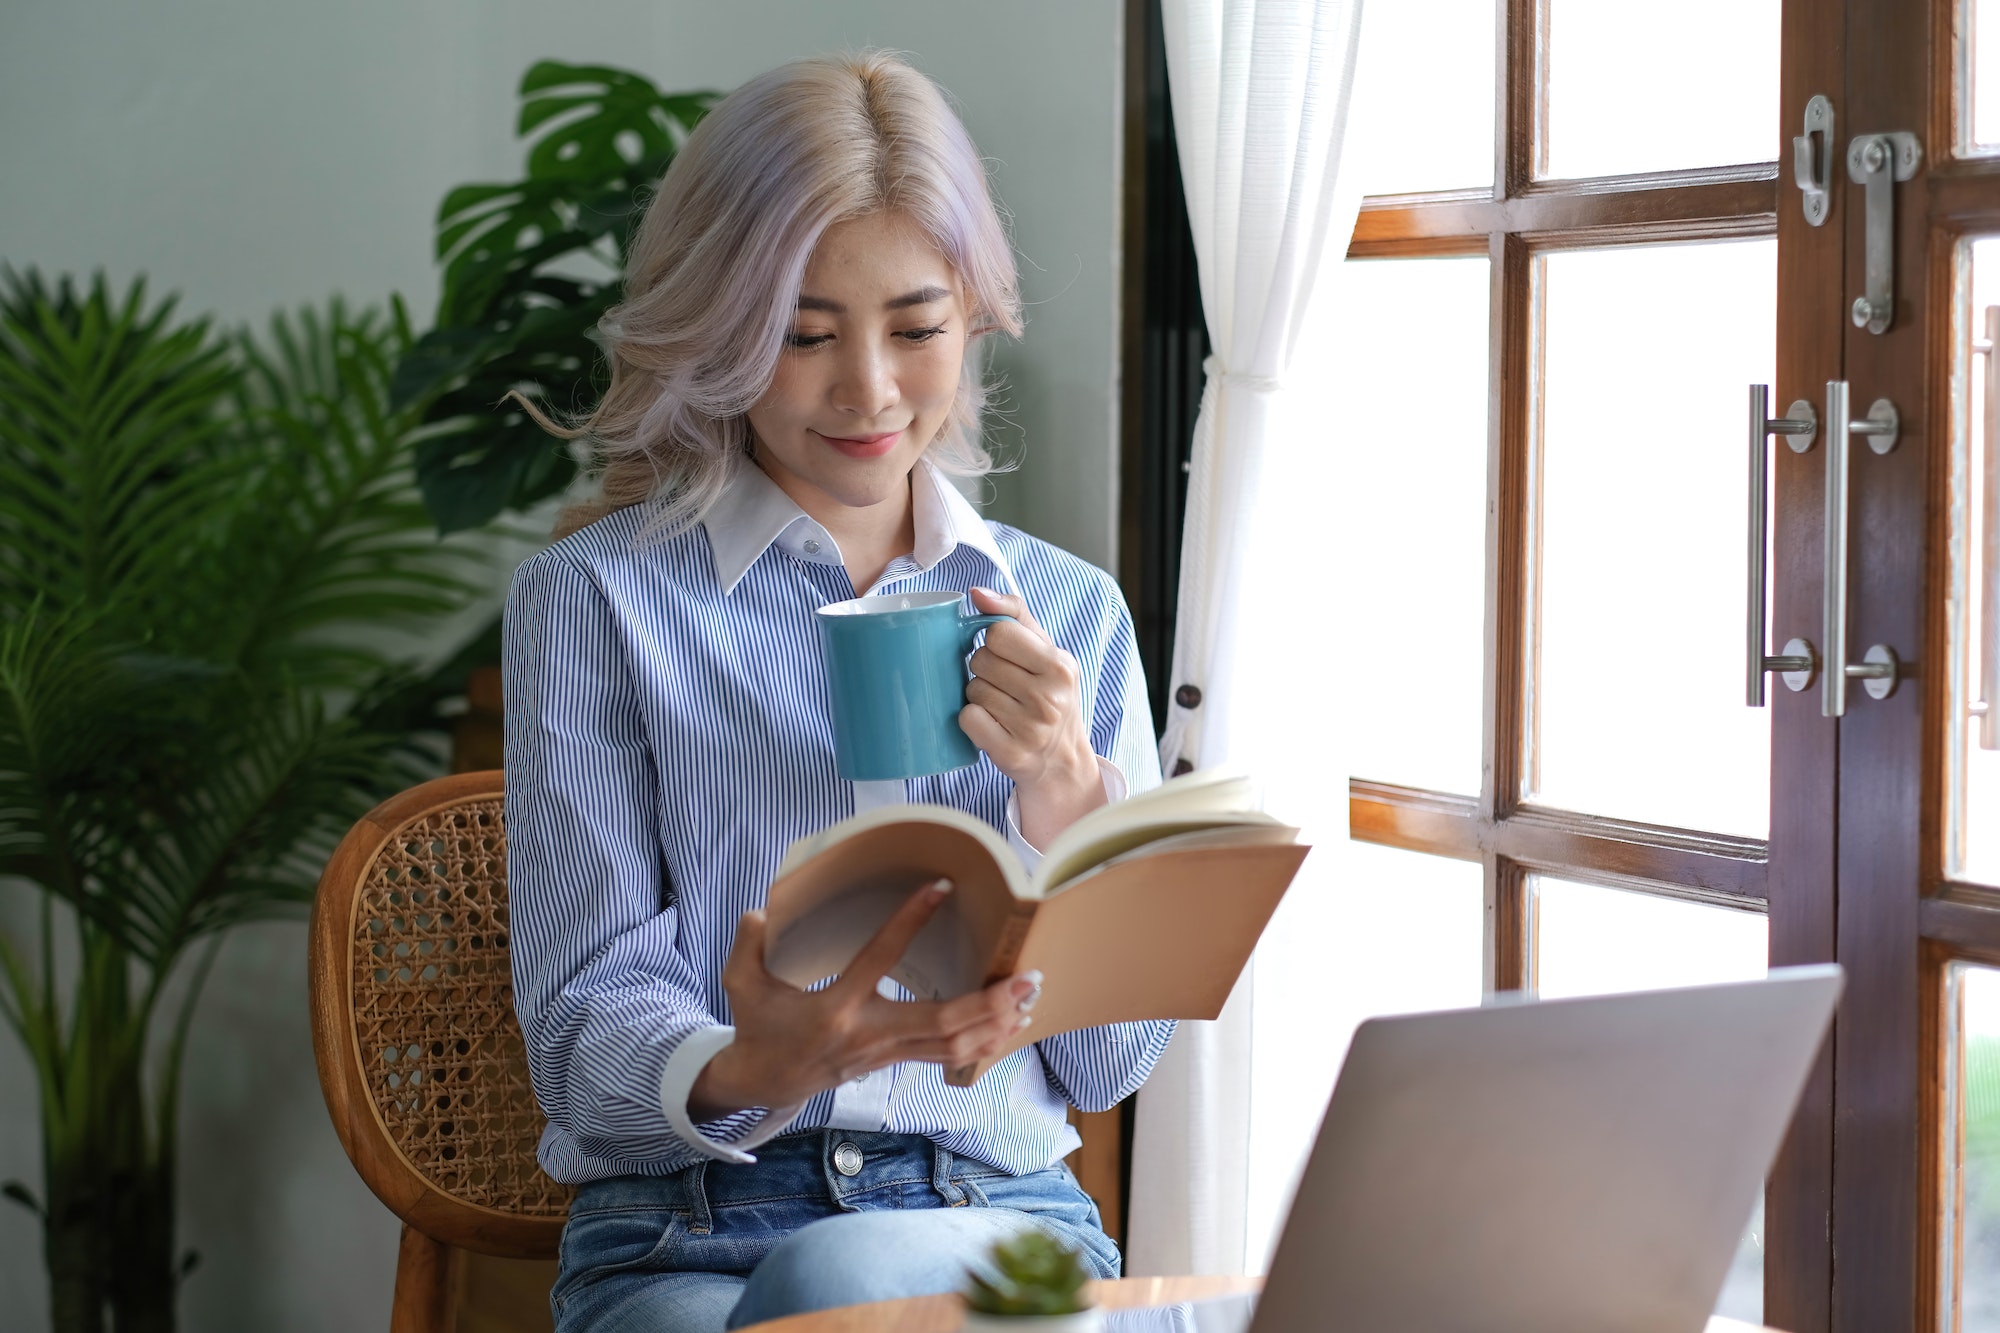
[(791, 1044)]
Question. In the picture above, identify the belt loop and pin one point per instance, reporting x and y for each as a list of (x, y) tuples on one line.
[(952, 1193), (700, 1221)]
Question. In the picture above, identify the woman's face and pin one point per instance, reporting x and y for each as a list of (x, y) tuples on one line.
[(871, 368)]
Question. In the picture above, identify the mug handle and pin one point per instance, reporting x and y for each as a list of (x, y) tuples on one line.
[(971, 625)]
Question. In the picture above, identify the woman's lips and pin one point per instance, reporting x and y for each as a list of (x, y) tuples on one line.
[(863, 446)]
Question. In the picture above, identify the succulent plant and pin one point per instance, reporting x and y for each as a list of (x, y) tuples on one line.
[(1037, 1275)]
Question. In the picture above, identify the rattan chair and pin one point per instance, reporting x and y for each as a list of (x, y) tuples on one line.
[(419, 1054)]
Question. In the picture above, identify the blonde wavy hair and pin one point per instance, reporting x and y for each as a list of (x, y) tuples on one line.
[(712, 281)]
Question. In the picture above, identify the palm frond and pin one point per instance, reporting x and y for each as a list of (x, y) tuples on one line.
[(112, 456), (200, 702), (87, 763), (60, 706), (249, 840), (337, 535)]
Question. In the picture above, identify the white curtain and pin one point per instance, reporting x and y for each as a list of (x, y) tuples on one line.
[(1260, 92)]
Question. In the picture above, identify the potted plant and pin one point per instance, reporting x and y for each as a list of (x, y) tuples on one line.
[(203, 541), (1037, 1287)]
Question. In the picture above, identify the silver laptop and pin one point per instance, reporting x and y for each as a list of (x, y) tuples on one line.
[(1561, 1166)]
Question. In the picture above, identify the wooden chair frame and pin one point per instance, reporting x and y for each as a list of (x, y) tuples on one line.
[(438, 1223)]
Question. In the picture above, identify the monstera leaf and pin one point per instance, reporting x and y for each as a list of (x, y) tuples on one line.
[(529, 269)]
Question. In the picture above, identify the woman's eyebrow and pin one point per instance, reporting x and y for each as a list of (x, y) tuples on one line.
[(921, 296)]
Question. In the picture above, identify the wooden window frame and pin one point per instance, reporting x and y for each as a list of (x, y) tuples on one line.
[(1896, 944), (1899, 921), (1514, 222), (1902, 919)]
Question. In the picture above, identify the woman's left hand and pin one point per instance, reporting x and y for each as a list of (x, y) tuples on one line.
[(1024, 707)]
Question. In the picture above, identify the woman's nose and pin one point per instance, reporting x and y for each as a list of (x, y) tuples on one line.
[(865, 385)]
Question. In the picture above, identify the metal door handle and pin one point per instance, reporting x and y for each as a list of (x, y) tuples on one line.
[(1798, 664), (1988, 707), (1878, 667)]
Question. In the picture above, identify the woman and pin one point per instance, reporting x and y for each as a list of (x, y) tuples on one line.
[(792, 386)]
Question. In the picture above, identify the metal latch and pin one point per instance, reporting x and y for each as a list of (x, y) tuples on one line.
[(1812, 167), (1875, 161)]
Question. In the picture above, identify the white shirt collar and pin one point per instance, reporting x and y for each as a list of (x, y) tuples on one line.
[(754, 514)]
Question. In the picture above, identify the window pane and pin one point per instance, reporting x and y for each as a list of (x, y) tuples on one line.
[(1972, 1227), (1595, 941), (1365, 930), (1616, 80), (1973, 741), (1979, 103), (1411, 338), (1591, 940), (1422, 114), (1636, 703)]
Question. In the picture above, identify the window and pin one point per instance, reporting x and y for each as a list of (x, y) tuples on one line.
[(1645, 254), (1601, 774)]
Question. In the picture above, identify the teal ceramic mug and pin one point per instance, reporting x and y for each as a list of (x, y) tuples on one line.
[(895, 667)]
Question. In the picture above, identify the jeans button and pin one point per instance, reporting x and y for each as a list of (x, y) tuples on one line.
[(847, 1159)]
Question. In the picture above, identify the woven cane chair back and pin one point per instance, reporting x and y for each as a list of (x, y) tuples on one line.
[(420, 1057)]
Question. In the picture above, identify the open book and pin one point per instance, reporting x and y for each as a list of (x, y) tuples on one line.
[(1144, 909)]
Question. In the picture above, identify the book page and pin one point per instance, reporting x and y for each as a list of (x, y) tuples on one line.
[(1056, 875), (1179, 805)]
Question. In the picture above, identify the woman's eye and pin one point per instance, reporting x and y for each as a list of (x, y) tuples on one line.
[(922, 335), (804, 341)]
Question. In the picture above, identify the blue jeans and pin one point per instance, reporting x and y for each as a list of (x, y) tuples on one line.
[(717, 1246)]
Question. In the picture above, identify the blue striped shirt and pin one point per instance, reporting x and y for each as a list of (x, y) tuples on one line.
[(668, 737)]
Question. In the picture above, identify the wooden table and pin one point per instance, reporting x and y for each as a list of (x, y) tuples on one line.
[(941, 1314)]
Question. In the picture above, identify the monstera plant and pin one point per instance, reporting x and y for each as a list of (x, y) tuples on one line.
[(203, 541), (529, 268)]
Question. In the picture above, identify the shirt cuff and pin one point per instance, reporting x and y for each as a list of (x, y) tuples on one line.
[(1031, 855), (677, 1081)]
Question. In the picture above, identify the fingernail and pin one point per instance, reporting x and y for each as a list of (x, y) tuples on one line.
[(1027, 990), (1025, 1020), (942, 887)]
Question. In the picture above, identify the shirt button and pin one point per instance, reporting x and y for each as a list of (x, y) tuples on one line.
[(812, 547), (847, 1159), (1188, 696)]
